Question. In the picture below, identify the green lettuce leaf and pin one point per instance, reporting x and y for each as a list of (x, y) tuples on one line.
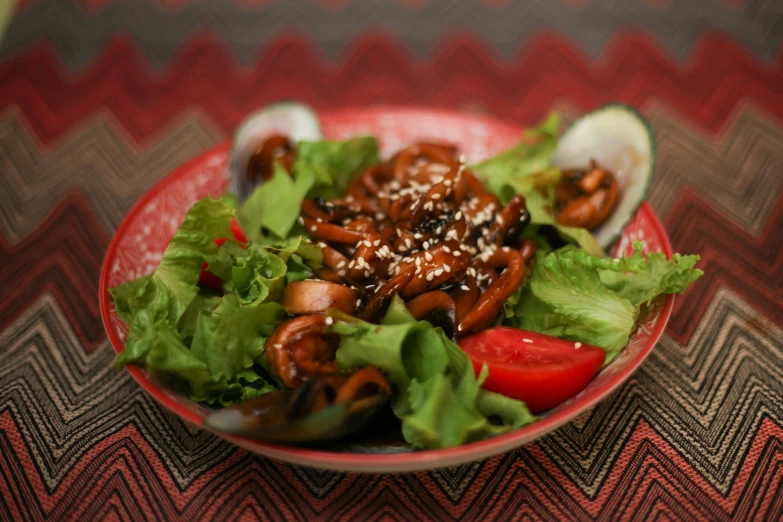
[(246, 384), (650, 276), (209, 346), (126, 297), (576, 292), (231, 339), (202, 304), (223, 261), (335, 163), (259, 276), (322, 168), (596, 300), (509, 412), (160, 348), (166, 294), (275, 205), (436, 396), (531, 155)]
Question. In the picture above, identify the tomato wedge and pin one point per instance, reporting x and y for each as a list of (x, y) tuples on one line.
[(541, 370), (207, 278)]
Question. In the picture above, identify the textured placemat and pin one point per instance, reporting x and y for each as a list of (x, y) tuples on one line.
[(100, 99)]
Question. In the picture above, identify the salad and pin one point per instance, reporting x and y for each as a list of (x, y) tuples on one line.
[(331, 284)]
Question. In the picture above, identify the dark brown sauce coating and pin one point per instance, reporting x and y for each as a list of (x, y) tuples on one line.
[(421, 226), (586, 198)]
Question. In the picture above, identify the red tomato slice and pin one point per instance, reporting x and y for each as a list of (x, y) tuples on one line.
[(541, 370)]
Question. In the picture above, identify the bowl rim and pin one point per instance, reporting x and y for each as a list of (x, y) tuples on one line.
[(377, 462)]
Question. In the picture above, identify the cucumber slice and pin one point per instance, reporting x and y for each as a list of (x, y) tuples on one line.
[(295, 120), (619, 139)]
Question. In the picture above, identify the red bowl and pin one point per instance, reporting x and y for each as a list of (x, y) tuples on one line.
[(137, 247)]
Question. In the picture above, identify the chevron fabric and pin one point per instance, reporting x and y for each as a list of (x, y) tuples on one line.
[(99, 99)]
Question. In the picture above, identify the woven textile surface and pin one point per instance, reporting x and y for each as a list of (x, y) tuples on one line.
[(100, 99)]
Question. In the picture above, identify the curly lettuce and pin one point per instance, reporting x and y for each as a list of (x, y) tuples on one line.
[(596, 300), (209, 345), (437, 395)]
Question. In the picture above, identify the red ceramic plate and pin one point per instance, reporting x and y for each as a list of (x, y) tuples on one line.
[(137, 247)]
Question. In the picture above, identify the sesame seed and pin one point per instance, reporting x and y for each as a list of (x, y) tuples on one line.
[(465, 287), (341, 273), (426, 245), (301, 220), (418, 259), (278, 345), (447, 268), (417, 236), (351, 264), (329, 320), (358, 302), (457, 253), (396, 270), (577, 345), (527, 340), (436, 196), (418, 270), (367, 243), (446, 249), (366, 273), (376, 242), (430, 276), (458, 215), (438, 272), (313, 228), (427, 256)]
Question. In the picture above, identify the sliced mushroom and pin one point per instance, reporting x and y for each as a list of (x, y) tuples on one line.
[(312, 297)]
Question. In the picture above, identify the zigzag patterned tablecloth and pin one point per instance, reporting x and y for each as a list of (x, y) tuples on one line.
[(100, 99)]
